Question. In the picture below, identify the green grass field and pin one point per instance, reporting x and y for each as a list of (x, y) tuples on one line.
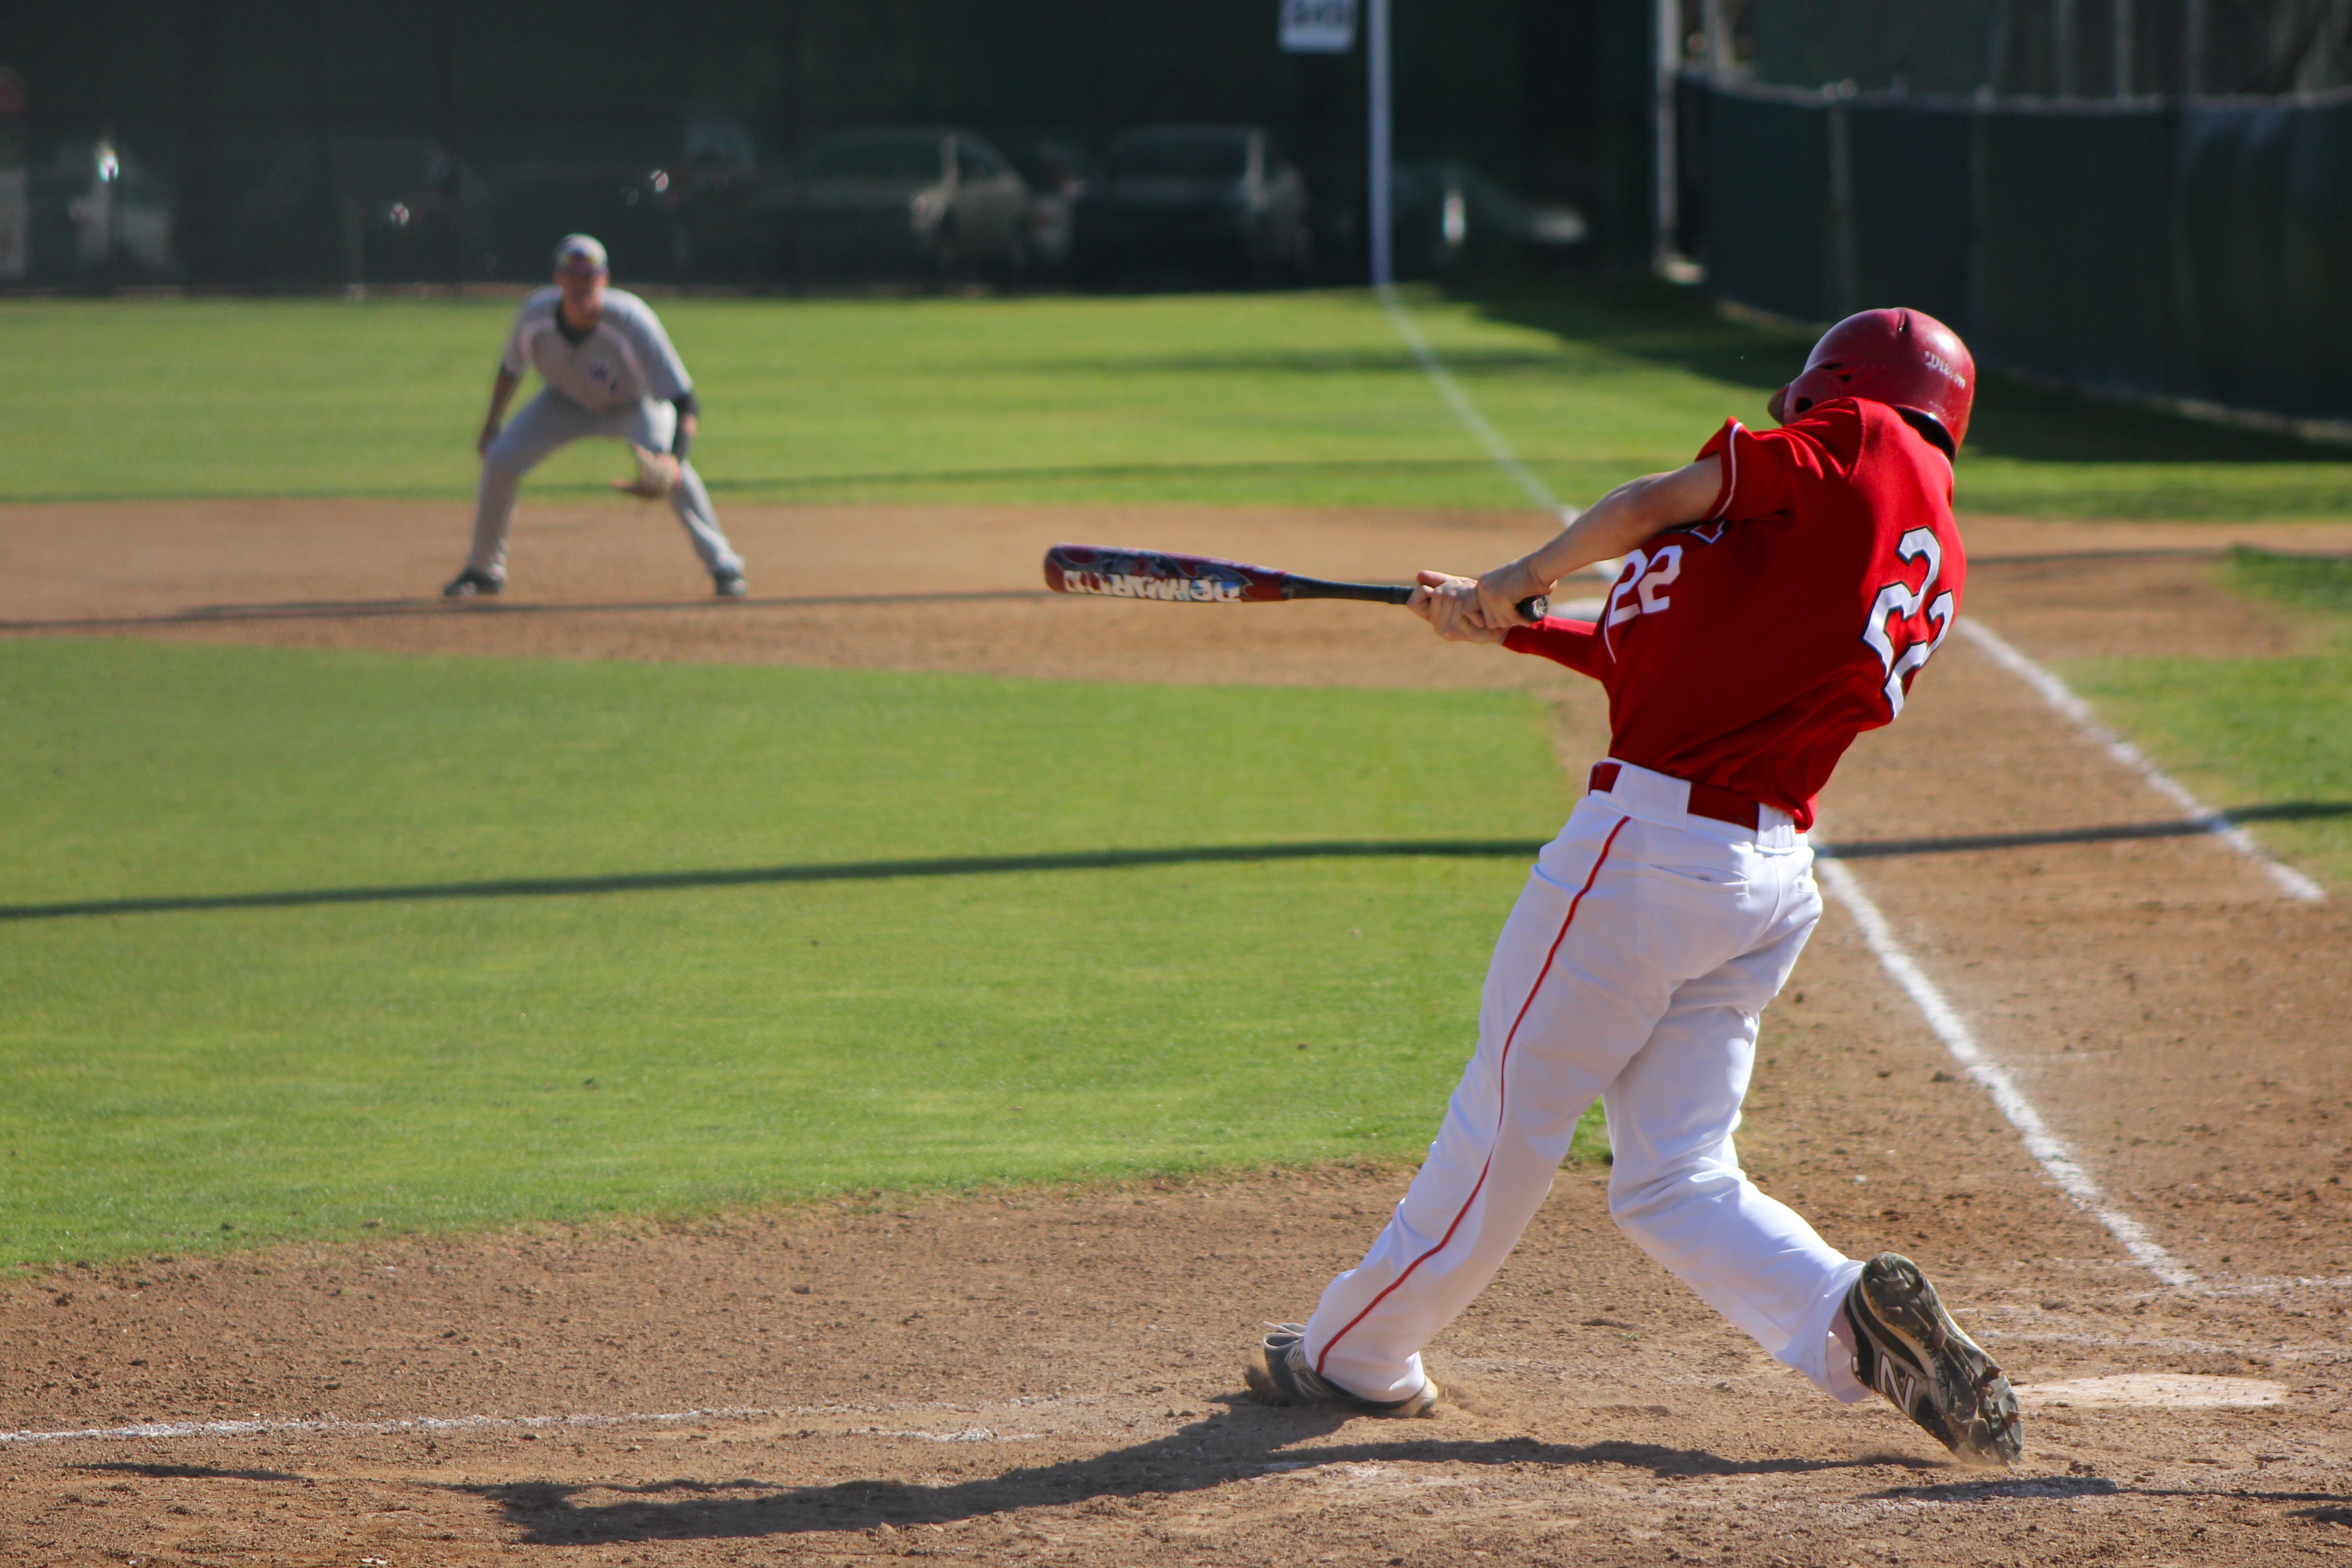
[(1302, 399), (298, 942), (801, 1006), (2268, 737)]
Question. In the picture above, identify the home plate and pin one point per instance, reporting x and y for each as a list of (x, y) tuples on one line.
[(2165, 1390)]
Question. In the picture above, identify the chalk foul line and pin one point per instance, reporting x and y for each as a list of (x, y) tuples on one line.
[(2048, 1151), (2061, 696), (1530, 485), (434, 1425)]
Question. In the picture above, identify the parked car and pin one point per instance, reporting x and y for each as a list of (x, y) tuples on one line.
[(939, 203), (1186, 203), (358, 209), (1450, 216), (97, 211), (1055, 176), (695, 207)]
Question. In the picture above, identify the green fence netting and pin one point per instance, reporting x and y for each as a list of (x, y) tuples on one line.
[(2192, 250)]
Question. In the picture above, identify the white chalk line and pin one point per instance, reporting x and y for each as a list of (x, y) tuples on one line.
[(433, 1425), (2047, 1148), (2061, 696), (1532, 487)]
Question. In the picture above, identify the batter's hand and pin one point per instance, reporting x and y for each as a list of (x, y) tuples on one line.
[(489, 434), (1500, 592), (1449, 605)]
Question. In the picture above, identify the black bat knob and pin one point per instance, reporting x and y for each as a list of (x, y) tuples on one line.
[(1534, 606)]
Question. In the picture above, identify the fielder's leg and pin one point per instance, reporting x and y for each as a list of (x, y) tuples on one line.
[(651, 425), (548, 421), (691, 503)]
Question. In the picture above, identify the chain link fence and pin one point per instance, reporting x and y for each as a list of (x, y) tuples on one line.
[(310, 144), (2192, 250)]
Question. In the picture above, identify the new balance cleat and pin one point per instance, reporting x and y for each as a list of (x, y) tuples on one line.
[(728, 585), (1278, 1372), (1908, 1348)]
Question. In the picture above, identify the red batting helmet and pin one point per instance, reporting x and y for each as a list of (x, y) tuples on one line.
[(1905, 358)]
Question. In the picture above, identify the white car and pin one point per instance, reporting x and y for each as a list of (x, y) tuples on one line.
[(940, 201), (117, 213)]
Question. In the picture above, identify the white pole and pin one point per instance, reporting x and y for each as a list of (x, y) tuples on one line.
[(1376, 59), (1665, 195)]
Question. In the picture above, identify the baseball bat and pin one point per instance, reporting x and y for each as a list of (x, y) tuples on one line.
[(1206, 580)]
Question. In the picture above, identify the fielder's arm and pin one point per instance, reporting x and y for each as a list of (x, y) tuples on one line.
[(1632, 514), (502, 393)]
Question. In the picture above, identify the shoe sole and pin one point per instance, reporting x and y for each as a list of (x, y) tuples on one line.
[(1966, 1391), (1267, 1388)]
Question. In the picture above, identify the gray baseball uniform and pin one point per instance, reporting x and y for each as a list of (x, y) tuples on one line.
[(617, 381)]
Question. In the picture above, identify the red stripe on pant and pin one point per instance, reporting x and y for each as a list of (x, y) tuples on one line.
[(1502, 1089)]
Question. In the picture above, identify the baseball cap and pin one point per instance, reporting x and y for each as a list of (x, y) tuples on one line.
[(580, 253)]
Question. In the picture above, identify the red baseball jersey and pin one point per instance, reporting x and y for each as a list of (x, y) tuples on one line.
[(1748, 649)]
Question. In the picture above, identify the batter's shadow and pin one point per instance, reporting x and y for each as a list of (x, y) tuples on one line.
[(1243, 1443)]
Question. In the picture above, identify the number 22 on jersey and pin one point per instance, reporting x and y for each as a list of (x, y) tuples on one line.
[(1641, 588), (1902, 649)]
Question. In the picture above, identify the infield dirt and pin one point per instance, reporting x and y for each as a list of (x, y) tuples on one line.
[(1052, 1376)]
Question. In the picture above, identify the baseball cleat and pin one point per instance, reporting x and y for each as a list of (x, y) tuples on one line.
[(730, 585), (1277, 1373), (471, 584), (1908, 1348)]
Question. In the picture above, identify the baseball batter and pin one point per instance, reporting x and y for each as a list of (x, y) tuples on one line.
[(1778, 595), (609, 371)]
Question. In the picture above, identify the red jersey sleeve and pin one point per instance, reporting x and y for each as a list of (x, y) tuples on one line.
[(1576, 644), (1767, 472)]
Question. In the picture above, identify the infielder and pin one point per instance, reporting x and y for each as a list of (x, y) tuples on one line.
[(1777, 597), (611, 372)]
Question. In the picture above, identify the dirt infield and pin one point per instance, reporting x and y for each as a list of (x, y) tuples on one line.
[(1050, 1377)]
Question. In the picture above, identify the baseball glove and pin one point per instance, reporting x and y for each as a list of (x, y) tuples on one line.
[(656, 474)]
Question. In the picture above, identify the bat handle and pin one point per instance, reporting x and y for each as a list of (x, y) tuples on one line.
[(1534, 606)]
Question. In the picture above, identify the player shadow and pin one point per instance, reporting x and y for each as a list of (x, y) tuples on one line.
[(2169, 828), (1245, 1443), (188, 1472), (756, 876), (1096, 860), (394, 609)]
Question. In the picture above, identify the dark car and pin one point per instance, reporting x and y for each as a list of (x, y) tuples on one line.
[(1055, 176), (689, 206), (1450, 217), (1194, 203), (358, 209), (921, 201)]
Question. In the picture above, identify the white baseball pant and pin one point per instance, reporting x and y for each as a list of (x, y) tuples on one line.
[(552, 420), (1632, 969)]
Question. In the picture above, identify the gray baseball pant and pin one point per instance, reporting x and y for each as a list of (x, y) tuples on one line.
[(552, 420)]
